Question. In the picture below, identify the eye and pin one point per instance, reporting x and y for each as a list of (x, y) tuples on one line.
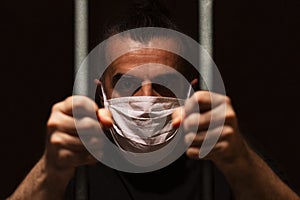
[(127, 85), (167, 84), (167, 80)]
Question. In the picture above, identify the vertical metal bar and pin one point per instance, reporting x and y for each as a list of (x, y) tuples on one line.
[(206, 40), (80, 52), (81, 39)]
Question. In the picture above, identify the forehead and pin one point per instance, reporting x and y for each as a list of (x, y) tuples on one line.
[(139, 54), (118, 45), (145, 62)]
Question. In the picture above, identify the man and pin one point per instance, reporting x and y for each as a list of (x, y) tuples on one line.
[(245, 173)]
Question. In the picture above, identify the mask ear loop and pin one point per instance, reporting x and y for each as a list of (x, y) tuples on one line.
[(106, 105), (105, 101), (189, 91), (195, 81)]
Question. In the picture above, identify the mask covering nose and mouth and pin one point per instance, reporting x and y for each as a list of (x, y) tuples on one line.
[(142, 123)]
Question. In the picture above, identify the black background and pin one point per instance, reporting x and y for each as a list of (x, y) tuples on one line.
[(256, 50)]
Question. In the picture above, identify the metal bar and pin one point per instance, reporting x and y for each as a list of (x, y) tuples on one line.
[(206, 40), (81, 39), (80, 52)]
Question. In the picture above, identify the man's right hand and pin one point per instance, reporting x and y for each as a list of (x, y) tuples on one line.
[(64, 149)]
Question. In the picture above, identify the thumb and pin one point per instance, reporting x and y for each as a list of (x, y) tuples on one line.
[(105, 117), (177, 117)]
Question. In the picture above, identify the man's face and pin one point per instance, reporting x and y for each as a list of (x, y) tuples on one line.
[(143, 72)]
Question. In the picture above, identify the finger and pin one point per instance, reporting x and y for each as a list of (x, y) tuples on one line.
[(91, 133), (64, 106), (64, 123), (211, 136), (77, 106), (194, 152), (196, 122), (88, 127), (58, 121), (64, 141), (200, 102), (83, 107), (177, 117), (203, 101), (105, 118)]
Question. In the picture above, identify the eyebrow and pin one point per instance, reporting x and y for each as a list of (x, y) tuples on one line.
[(118, 76), (167, 75)]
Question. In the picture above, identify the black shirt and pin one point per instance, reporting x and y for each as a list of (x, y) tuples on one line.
[(181, 180)]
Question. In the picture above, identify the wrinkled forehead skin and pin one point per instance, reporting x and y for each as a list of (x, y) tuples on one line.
[(140, 53), (126, 43)]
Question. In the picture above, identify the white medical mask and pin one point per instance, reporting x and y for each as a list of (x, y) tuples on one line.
[(142, 123)]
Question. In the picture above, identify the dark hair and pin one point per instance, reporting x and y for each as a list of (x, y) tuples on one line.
[(143, 13)]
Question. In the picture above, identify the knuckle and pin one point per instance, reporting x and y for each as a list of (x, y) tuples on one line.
[(228, 130), (52, 123), (227, 100), (69, 99), (95, 142), (201, 95), (86, 123), (192, 153), (230, 114), (56, 107), (86, 126), (83, 106), (193, 122), (202, 120), (81, 102), (78, 102), (198, 95), (65, 155), (56, 140), (223, 147)]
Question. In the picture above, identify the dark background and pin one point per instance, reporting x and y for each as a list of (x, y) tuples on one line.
[(256, 50)]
